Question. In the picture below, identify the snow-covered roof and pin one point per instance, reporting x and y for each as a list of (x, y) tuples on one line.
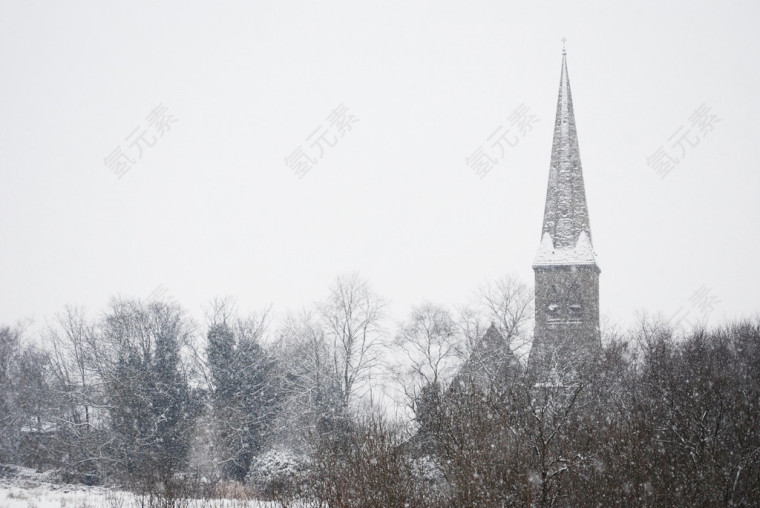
[(581, 254)]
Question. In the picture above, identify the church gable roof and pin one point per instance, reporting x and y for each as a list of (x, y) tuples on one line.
[(490, 361)]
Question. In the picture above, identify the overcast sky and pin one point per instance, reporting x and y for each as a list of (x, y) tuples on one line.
[(209, 206)]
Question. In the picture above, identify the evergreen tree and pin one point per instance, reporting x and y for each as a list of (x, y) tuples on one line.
[(10, 350), (244, 394), (147, 389)]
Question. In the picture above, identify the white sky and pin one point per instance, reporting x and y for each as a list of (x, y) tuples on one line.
[(211, 209)]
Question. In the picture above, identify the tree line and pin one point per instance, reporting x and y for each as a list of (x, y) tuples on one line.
[(142, 396)]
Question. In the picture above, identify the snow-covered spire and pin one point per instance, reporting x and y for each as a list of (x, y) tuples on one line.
[(566, 213)]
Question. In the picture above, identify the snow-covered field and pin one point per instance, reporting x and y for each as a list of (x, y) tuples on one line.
[(25, 488)]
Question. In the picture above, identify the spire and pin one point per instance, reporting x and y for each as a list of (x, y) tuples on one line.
[(565, 214)]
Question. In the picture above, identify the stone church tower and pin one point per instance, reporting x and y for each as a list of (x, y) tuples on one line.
[(566, 274)]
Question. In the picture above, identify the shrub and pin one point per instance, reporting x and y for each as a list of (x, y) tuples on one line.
[(279, 474)]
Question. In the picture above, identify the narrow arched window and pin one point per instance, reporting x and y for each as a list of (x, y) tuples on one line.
[(554, 308), (574, 303)]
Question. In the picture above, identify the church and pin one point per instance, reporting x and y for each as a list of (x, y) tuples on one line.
[(566, 334)]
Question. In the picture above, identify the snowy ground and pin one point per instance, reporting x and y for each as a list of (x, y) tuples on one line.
[(25, 488)]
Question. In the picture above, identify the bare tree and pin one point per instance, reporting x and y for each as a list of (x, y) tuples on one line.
[(431, 341), (472, 325), (305, 376), (351, 318), (79, 414), (509, 303), (326, 356), (551, 409), (305, 358), (69, 341)]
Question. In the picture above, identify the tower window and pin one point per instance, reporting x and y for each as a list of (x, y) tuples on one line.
[(554, 308), (553, 312), (574, 303)]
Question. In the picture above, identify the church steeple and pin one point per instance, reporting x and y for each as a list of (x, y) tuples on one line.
[(566, 334), (566, 233)]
